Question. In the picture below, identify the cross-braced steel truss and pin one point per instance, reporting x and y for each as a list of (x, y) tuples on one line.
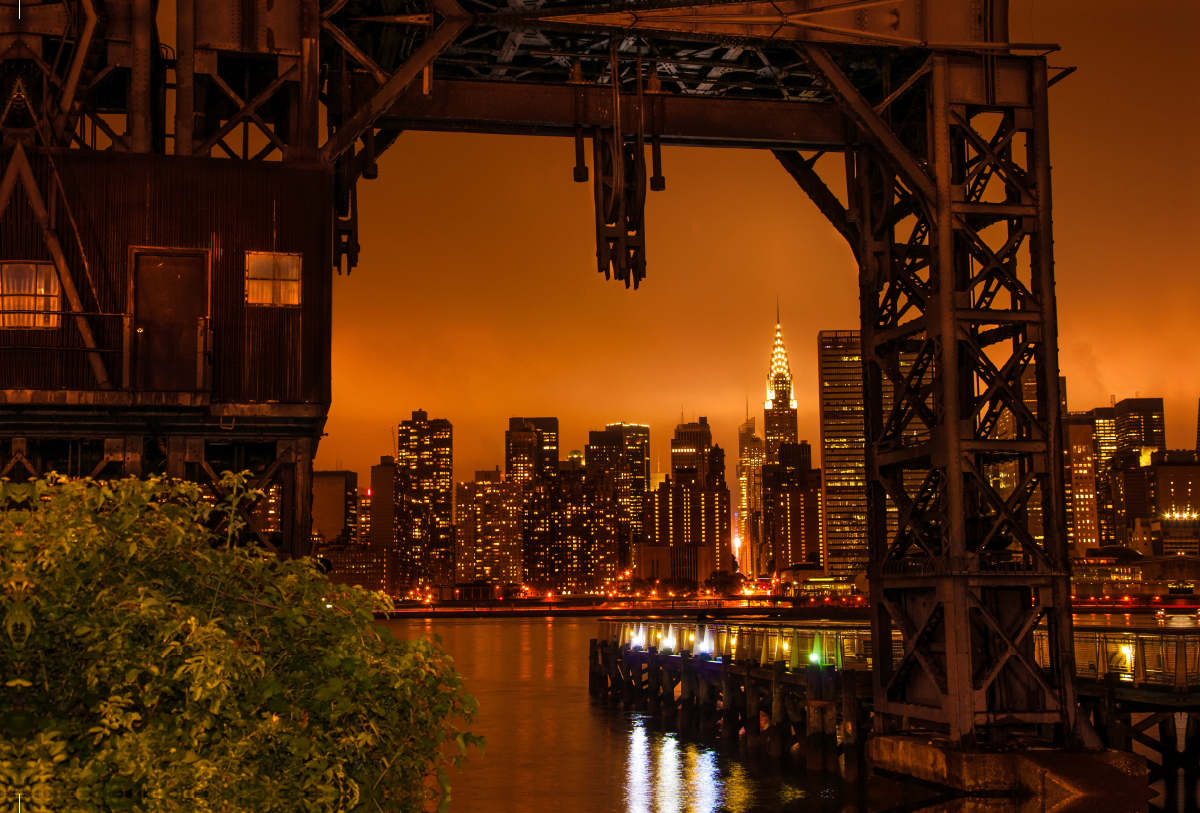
[(944, 130), (957, 303)]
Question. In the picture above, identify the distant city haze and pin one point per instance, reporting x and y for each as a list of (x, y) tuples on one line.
[(477, 297)]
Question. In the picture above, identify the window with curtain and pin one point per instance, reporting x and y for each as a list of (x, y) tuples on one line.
[(272, 278), (30, 296)]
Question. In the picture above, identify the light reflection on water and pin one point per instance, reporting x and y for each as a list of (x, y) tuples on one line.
[(669, 776), (551, 746)]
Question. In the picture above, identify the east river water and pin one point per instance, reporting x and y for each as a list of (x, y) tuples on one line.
[(551, 746)]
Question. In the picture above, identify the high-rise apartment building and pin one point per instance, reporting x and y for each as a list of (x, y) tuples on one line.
[(622, 451), (693, 454), (797, 521), (1083, 529), (843, 451), (587, 547), (425, 505), (687, 516), (531, 449), (1104, 446), (780, 406), (522, 458), (369, 568), (1104, 434), (1141, 425), (488, 542), (688, 528), (1157, 501), (364, 518), (335, 507), (531, 459), (751, 456), (792, 511), (384, 496), (691, 449)]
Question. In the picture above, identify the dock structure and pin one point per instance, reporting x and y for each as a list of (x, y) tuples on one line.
[(773, 698), (781, 685)]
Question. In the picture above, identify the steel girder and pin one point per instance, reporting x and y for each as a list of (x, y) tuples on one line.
[(948, 212), (956, 277)]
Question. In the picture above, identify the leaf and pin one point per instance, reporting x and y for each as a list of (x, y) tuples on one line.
[(160, 682)]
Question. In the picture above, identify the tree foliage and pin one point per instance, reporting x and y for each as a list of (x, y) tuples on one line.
[(725, 583), (150, 665)]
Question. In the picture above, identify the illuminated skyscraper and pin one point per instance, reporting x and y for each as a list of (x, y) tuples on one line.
[(531, 449), (531, 461), (521, 456), (791, 509), (1083, 528), (1126, 435), (751, 453), (364, 518), (488, 542), (1104, 448), (622, 451), (687, 517), (690, 448), (688, 529), (843, 450), (586, 547), (797, 525), (1141, 425), (425, 515), (780, 406)]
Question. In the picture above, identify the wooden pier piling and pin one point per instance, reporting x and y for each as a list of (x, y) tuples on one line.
[(804, 707)]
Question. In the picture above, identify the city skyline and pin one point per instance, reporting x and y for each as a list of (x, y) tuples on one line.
[(514, 320), (724, 433)]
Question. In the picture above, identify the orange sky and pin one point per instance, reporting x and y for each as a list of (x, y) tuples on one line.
[(477, 296)]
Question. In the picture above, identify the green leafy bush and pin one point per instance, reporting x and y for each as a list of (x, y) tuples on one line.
[(148, 665)]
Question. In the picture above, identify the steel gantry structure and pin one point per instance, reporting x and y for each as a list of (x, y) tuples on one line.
[(174, 202)]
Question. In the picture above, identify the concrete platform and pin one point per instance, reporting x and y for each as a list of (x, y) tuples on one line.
[(1034, 780)]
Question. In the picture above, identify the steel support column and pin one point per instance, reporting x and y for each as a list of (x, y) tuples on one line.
[(956, 279)]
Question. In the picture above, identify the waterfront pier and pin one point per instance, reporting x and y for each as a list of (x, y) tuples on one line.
[(807, 685)]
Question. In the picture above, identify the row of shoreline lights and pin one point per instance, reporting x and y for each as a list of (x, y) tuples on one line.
[(704, 646)]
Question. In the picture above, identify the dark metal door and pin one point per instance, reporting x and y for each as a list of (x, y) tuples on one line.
[(170, 313)]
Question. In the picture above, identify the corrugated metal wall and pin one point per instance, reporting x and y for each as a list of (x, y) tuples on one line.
[(225, 207)]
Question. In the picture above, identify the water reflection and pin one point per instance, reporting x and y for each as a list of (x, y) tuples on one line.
[(552, 747), (664, 775)]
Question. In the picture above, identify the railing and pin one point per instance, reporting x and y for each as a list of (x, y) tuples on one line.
[(1155, 658), (841, 645), (1163, 657)]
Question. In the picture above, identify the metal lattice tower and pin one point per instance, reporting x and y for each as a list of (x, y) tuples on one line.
[(942, 123)]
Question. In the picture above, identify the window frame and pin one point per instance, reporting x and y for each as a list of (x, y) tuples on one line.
[(55, 314), (299, 280)]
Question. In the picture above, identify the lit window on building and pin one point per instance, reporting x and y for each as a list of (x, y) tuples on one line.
[(30, 296), (272, 278)]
